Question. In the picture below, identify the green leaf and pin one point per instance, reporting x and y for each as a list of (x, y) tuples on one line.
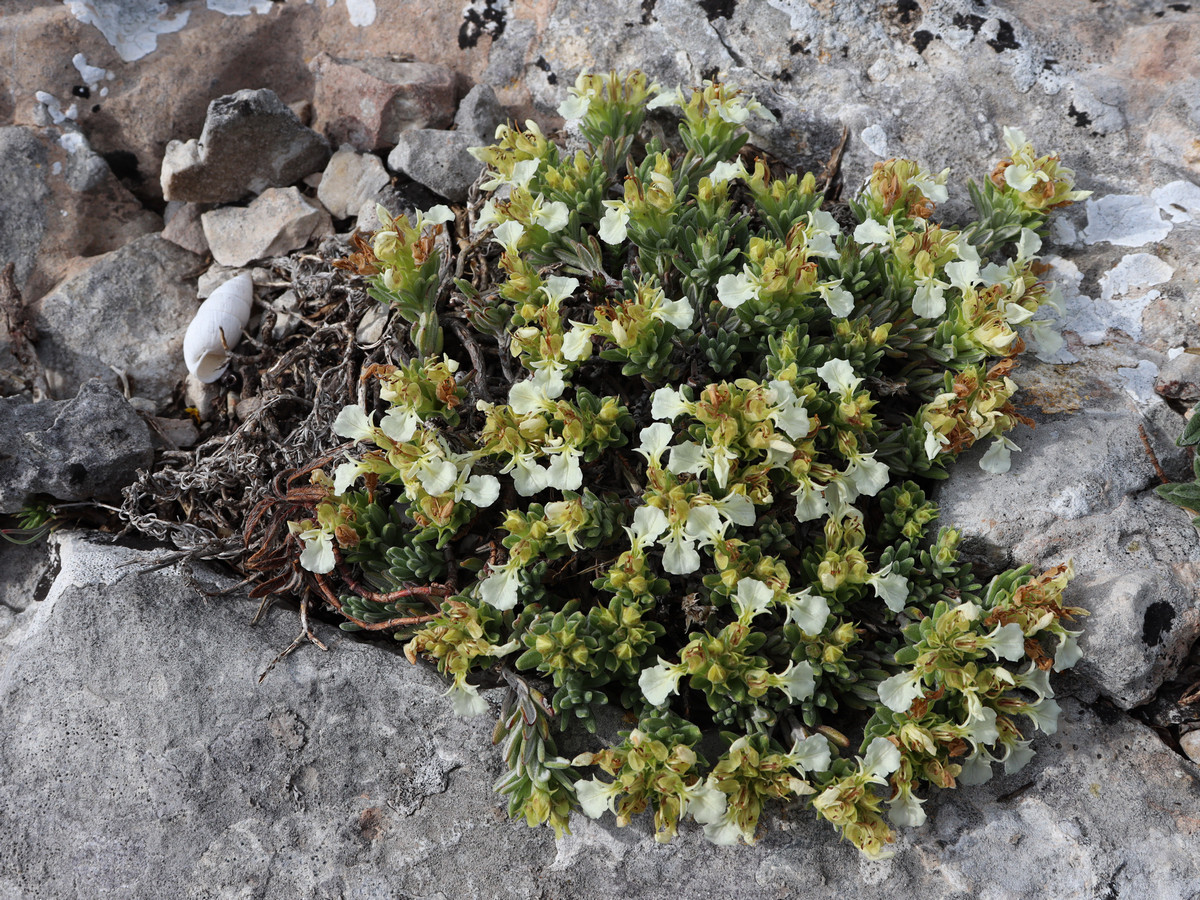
[(1185, 495), (1191, 431)]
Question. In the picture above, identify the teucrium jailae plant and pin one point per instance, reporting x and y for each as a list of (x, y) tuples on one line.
[(683, 475)]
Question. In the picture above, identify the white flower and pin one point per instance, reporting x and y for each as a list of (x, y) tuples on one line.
[(1045, 337), (752, 598), (677, 312), (345, 475), (524, 171), (660, 682), (399, 424), (527, 398), (931, 185), (724, 832), (790, 416), (1044, 714), (882, 758), (866, 475), (574, 108), (499, 589), (797, 681), (898, 692), (655, 439), (810, 501), (668, 98), (1028, 244), (648, 523), (479, 490), (1036, 680), (873, 232), (508, 233), (822, 229), (679, 555), (436, 475), (1006, 642), (963, 274), (1018, 756), (687, 458), (595, 796), (564, 472), (528, 477), (839, 375), (318, 551), (736, 508), (577, 343), (488, 216), (891, 587), (705, 803), (1067, 653), (906, 811), (734, 290), (551, 216), (615, 222), (934, 441), (727, 171), (998, 459), (437, 215), (811, 754), (667, 403), (929, 301), (808, 610), (839, 300), (1020, 177), (352, 422), (977, 768), (466, 701)]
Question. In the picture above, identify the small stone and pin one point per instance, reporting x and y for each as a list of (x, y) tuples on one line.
[(479, 113), (350, 180), (367, 103), (1190, 744), (251, 141), (175, 434), (184, 228), (128, 310), (80, 449), (438, 160), (279, 221), (1179, 378)]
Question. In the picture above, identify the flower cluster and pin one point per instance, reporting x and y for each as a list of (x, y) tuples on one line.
[(683, 473)]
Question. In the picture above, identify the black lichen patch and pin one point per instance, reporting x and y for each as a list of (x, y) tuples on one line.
[(1048, 64), (710, 74), (1082, 119), (81, 90), (969, 20), (124, 165), (799, 47), (921, 39), (1180, 7), (648, 11), (1004, 39), (905, 9), (718, 9), (477, 21), (1159, 619), (541, 63)]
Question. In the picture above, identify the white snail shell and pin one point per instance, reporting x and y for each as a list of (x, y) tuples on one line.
[(224, 313)]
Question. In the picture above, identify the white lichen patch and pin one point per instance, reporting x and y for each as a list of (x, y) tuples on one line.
[(1126, 220), (1132, 273), (1139, 383), (875, 139), (51, 109), (90, 75), (132, 27), (1180, 200), (240, 7), (362, 12)]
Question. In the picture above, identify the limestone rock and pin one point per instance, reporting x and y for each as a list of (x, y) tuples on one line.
[(1179, 379), (251, 141), (183, 227), (438, 160), (479, 113), (349, 181), (87, 447), (343, 773), (59, 201), (279, 221), (128, 310), (368, 102)]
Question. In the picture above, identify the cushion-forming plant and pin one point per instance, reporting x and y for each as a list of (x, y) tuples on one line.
[(683, 473)]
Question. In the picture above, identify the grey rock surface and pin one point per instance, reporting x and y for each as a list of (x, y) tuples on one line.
[(183, 227), (251, 141), (59, 201), (368, 102), (349, 181), (128, 309), (88, 447), (437, 160), (278, 221), (479, 112), (147, 760)]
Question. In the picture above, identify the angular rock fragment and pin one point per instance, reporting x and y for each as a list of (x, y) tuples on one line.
[(479, 113), (439, 160), (251, 141), (278, 221), (80, 449), (367, 103), (349, 181), (183, 227), (128, 310), (59, 201)]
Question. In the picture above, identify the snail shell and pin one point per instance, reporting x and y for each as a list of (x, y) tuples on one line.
[(224, 313)]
